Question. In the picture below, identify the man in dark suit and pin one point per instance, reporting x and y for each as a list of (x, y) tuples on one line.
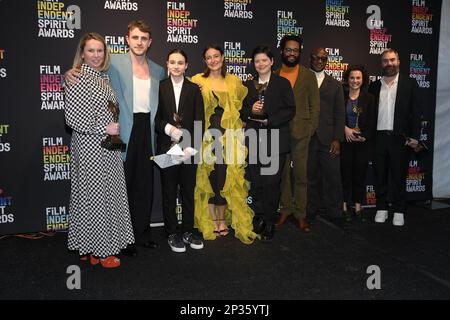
[(398, 128), (324, 147), (180, 114), (304, 124)]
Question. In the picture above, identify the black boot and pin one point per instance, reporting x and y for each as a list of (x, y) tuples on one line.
[(259, 225), (268, 233), (346, 216), (360, 215)]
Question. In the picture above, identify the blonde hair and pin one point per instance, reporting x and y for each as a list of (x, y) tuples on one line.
[(78, 60)]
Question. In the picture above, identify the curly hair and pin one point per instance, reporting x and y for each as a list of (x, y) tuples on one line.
[(357, 67), (290, 37)]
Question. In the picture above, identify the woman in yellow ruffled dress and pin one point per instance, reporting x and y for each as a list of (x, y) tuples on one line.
[(221, 190)]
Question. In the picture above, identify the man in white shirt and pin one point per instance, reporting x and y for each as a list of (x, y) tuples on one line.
[(136, 80), (398, 128)]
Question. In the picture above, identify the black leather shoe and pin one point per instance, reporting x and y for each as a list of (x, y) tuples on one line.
[(282, 219), (150, 245), (303, 225), (346, 215), (130, 251), (268, 233), (360, 215), (259, 225)]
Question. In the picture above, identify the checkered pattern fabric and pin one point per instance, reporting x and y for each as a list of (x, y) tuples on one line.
[(99, 217)]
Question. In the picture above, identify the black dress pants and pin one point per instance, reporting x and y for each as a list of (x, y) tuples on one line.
[(391, 161), (139, 177), (182, 175), (323, 170), (266, 189)]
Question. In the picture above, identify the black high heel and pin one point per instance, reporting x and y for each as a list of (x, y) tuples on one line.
[(216, 232), (224, 232)]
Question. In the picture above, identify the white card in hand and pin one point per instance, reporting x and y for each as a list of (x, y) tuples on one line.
[(175, 151)]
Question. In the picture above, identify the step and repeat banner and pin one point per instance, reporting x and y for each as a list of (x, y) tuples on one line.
[(39, 38)]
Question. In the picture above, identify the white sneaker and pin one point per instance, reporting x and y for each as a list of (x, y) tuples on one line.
[(398, 220), (381, 216)]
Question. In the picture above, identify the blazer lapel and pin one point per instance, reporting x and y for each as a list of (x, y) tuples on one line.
[(299, 82), (362, 103), (153, 91), (170, 92), (127, 81), (269, 89), (398, 98), (324, 84), (183, 95)]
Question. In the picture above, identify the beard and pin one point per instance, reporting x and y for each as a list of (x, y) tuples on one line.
[(390, 71), (288, 63)]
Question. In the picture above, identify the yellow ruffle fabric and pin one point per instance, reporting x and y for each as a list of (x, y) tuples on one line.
[(235, 191)]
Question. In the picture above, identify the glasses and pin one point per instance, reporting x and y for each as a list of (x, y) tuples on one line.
[(290, 50), (323, 59)]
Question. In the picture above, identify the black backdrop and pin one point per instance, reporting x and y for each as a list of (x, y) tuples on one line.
[(37, 46)]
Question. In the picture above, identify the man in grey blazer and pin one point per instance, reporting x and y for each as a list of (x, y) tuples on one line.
[(324, 147), (135, 78)]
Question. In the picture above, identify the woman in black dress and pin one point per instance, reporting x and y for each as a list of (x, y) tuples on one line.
[(360, 127)]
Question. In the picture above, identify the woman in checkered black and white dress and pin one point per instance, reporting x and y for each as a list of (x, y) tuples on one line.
[(99, 221)]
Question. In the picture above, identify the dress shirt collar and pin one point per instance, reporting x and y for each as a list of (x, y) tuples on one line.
[(394, 82), (262, 82), (320, 74), (177, 85)]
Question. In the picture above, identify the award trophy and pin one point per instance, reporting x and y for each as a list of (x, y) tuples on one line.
[(358, 111), (113, 142), (177, 119), (423, 137), (261, 89), (421, 145)]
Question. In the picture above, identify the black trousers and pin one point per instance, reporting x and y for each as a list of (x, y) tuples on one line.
[(391, 161), (354, 162), (266, 189), (182, 175), (326, 171), (139, 177)]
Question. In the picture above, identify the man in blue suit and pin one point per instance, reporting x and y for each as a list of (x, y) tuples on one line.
[(135, 79)]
